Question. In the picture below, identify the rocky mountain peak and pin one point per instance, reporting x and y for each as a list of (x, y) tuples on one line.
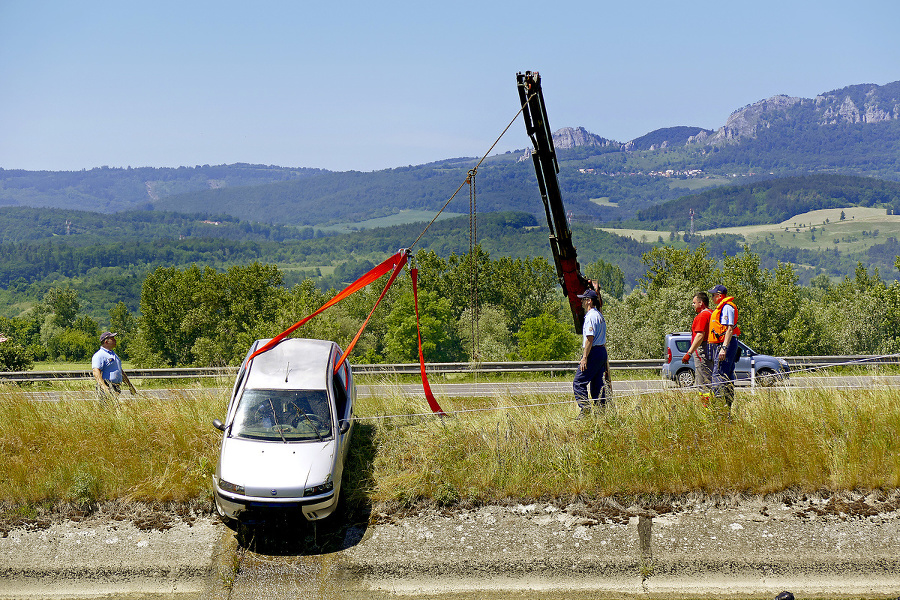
[(571, 137), (867, 103)]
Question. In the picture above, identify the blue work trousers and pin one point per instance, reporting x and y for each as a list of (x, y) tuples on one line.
[(723, 371), (594, 376)]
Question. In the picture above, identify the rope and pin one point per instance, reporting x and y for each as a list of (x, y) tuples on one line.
[(486, 154)]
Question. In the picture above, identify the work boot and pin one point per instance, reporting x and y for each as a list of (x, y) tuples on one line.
[(584, 412)]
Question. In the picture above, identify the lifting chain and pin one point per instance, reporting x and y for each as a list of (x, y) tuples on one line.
[(473, 264)]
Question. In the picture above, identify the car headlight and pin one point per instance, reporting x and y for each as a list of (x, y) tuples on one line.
[(319, 489), (231, 487)]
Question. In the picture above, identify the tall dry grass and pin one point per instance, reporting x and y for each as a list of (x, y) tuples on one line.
[(79, 451), (666, 443), (653, 444)]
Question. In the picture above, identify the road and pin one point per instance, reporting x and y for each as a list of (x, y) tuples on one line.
[(508, 389)]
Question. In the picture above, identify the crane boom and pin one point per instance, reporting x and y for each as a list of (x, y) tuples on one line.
[(546, 168)]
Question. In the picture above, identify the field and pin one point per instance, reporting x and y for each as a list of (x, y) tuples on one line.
[(816, 230), (401, 218), (77, 453)]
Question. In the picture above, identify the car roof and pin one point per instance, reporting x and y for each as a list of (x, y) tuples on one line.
[(293, 364)]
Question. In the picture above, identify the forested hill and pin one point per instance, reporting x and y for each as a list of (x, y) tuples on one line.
[(772, 201), (108, 190), (112, 271), (852, 131)]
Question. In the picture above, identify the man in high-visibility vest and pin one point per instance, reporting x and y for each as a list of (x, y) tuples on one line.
[(723, 332)]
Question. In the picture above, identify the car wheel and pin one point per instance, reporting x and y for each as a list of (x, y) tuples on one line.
[(766, 377), (685, 378)]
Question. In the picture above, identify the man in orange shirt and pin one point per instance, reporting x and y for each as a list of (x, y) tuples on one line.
[(703, 363)]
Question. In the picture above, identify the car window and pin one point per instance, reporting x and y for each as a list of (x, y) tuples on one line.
[(683, 345), (297, 415)]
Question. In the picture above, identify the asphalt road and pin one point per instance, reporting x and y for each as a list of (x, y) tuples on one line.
[(507, 389)]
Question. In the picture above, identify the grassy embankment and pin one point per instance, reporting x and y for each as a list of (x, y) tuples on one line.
[(74, 452)]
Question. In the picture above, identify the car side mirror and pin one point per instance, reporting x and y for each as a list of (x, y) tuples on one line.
[(345, 426), (219, 425)]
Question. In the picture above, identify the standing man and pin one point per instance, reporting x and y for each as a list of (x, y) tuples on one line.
[(592, 368), (723, 331), (107, 368), (703, 364)]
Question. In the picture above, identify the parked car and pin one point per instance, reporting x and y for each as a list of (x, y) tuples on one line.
[(286, 433), (769, 369)]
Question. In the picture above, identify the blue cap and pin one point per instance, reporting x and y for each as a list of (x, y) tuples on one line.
[(718, 289)]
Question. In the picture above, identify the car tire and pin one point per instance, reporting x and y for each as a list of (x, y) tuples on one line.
[(685, 378), (766, 377)]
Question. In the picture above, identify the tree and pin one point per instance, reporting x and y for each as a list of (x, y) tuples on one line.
[(195, 317), (122, 322), (62, 305), (165, 335), (440, 339), (546, 338), (495, 343), (667, 265), (14, 357), (609, 276)]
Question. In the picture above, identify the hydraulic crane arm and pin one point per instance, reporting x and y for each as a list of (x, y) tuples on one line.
[(546, 167)]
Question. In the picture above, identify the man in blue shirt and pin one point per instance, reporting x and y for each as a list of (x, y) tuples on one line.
[(107, 368), (592, 367)]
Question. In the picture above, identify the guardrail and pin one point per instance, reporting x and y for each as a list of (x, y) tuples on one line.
[(795, 362)]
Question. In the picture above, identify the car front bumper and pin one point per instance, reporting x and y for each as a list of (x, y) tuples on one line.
[(251, 509)]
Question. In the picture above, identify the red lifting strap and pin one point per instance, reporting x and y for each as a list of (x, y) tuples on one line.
[(395, 262), (398, 259), (393, 276), (432, 401)]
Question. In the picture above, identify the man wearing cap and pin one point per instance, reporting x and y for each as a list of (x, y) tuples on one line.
[(699, 350), (107, 368), (723, 346), (592, 367)]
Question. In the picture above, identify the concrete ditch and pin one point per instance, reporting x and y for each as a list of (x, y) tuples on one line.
[(837, 546)]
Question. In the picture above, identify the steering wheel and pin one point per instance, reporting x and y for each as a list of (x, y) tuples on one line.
[(282, 428), (314, 421)]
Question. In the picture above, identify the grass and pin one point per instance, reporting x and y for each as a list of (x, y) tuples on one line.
[(79, 452), (401, 218), (659, 444), (854, 233), (76, 452)]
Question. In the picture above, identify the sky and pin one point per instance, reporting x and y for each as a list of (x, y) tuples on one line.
[(373, 85)]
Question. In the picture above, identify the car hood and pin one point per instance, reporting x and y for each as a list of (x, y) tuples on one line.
[(276, 470)]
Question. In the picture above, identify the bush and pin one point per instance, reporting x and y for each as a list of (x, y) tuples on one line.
[(13, 357), (72, 345)]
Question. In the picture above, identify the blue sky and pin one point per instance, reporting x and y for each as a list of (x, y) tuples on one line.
[(366, 85)]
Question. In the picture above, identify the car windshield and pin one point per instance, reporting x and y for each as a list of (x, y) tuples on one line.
[(283, 415)]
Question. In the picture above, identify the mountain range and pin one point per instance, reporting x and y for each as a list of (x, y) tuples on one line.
[(851, 131)]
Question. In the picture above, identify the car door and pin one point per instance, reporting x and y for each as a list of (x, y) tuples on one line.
[(343, 391)]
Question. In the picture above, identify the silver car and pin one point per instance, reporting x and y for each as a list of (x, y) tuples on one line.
[(769, 369), (286, 434)]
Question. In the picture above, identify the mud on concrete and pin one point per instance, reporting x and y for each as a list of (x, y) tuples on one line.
[(845, 545)]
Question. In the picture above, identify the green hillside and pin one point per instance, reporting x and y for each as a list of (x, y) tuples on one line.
[(771, 201), (782, 138)]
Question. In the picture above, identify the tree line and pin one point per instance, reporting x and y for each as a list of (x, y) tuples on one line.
[(472, 308)]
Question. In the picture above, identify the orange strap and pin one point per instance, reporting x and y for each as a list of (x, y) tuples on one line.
[(354, 287), (432, 401), (397, 269)]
